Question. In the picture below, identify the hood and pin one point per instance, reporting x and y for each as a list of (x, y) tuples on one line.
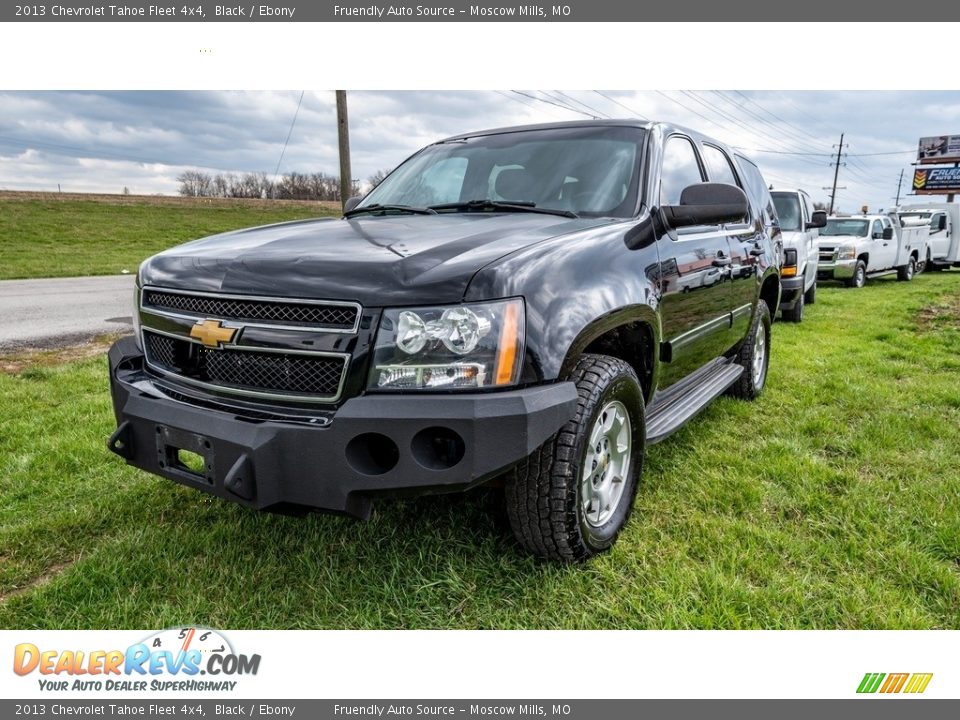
[(835, 240), (792, 238), (376, 261)]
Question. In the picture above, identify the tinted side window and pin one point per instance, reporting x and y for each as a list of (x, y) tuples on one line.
[(718, 166), (757, 192), (680, 169)]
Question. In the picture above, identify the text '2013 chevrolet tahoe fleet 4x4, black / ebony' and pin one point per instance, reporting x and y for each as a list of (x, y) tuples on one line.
[(533, 305)]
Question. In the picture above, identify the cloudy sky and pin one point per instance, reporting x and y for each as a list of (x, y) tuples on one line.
[(105, 141)]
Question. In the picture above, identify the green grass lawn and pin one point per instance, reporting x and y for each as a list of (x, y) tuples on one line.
[(43, 236), (832, 502)]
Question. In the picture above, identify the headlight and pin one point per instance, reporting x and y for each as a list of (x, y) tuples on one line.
[(848, 252), (463, 347)]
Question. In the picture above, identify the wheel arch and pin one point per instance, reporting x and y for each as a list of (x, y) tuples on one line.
[(631, 334)]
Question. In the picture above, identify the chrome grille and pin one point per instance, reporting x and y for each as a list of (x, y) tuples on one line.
[(331, 316), (827, 254), (316, 377)]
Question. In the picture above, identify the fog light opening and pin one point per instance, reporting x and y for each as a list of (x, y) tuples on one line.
[(438, 448), (372, 454)]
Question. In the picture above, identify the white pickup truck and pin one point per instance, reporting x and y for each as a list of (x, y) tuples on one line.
[(943, 221), (860, 246)]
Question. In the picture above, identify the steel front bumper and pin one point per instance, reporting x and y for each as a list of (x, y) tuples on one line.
[(373, 444), (837, 270)]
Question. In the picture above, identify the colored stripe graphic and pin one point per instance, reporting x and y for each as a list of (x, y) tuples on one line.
[(870, 682), (894, 683), (918, 682)]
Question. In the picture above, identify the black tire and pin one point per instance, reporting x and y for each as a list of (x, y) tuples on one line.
[(859, 278), (795, 314), (750, 384), (933, 267), (543, 493), (810, 296), (906, 272), (922, 266)]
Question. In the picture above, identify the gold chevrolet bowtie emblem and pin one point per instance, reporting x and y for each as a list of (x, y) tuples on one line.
[(212, 333)]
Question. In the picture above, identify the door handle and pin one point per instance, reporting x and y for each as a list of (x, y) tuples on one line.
[(720, 261)]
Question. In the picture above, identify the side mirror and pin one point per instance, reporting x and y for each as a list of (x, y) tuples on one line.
[(706, 204), (351, 203), (818, 219), (942, 223), (888, 233)]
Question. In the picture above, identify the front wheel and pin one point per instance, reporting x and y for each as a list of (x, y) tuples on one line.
[(810, 296), (795, 314), (859, 278), (754, 356), (569, 500), (905, 272)]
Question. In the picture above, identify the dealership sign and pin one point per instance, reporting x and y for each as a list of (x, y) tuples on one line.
[(939, 149), (936, 181)]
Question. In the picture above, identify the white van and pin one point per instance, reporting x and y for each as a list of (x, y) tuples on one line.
[(800, 225)]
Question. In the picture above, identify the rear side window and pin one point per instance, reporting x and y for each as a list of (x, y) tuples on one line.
[(757, 192), (680, 169), (718, 166)]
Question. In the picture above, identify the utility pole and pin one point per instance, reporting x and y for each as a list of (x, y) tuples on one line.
[(836, 172), (899, 183), (343, 136)]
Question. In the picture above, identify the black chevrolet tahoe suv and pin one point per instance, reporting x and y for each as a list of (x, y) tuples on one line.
[(531, 306)]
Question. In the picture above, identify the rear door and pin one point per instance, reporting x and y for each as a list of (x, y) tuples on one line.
[(696, 303), (742, 237)]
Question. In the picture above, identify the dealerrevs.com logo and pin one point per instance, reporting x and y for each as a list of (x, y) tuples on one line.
[(891, 683), (178, 659)]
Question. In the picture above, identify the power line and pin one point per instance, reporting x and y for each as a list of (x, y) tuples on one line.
[(551, 102), (276, 173), (580, 102), (787, 136), (774, 115), (625, 107)]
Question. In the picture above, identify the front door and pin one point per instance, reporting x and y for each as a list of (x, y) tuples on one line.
[(695, 263)]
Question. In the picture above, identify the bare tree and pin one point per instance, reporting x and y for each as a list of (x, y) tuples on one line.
[(377, 178)]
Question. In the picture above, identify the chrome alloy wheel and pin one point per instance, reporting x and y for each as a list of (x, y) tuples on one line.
[(606, 464), (760, 356)]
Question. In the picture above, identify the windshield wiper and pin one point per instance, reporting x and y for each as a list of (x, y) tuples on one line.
[(377, 207), (510, 206)]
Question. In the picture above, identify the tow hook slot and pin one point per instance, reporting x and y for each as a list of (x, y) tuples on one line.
[(239, 480), (121, 442), (185, 454)]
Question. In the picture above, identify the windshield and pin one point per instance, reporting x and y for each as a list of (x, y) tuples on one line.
[(589, 171), (846, 226), (788, 210)]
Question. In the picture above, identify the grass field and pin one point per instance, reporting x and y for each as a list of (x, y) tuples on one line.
[(52, 235), (832, 502)]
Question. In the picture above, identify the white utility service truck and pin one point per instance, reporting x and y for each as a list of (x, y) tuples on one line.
[(856, 247), (943, 222)]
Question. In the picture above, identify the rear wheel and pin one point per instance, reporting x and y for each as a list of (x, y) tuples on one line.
[(570, 499), (922, 266), (905, 272), (810, 296), (754, 356), (859, 278), (795, 314)]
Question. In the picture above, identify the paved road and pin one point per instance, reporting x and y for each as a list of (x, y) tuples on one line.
[(50, 313)]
